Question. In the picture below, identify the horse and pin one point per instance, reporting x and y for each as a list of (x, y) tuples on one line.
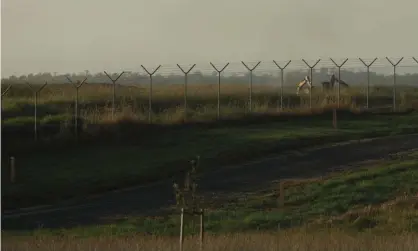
[(327, 85), (306, 81)]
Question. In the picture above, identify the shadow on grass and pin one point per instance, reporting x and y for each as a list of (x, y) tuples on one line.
[(142, 153)]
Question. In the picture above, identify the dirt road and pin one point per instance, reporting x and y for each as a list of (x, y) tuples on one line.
[(142, 200)]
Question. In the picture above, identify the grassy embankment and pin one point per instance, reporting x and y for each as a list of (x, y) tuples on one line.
[(371, 208), (114, 154)]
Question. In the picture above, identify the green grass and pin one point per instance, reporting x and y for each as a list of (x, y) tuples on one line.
[(91, 169), (378, 197)]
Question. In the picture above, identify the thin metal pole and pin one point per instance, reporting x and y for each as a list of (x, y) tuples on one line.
[(36, 117), (150, 74), (36, 94), (281, 80), (311, 67), (181, 230), (339, 78), (12, 170), (219, 87), (368, 80), (251, 83), (114, 91), (186, 73), (394, 80), (202, 228), (77, 87)]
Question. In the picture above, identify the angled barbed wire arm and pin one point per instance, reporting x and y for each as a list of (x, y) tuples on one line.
[(5, 91), (186, 73), (416, 61), (69, 79), (219, 87), (81, 83), (150, 74), (394, 80), (339, 78), (311, 67), (251, 82), (30, 86)]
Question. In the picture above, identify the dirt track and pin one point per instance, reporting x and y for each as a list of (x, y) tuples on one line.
[(138, 201)]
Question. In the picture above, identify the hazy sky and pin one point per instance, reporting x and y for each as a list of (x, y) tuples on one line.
[(76, 35)]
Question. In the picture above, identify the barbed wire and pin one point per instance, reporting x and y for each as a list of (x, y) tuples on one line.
[(379, 65)]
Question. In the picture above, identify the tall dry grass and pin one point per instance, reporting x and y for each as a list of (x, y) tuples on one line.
[(283, 240), (95, 101)]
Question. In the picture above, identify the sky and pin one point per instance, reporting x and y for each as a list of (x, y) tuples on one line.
[(77, 35)]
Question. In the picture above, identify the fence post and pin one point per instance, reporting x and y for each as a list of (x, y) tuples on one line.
[(311, 67), (281, 81), (150, 74), (77, 87), (251, 83), (394, 80), (186, 73), (12, 170), (202, 228), (114, 91), (339, 78), (219, 86), (368, 80), (36, 93), (181, 241)]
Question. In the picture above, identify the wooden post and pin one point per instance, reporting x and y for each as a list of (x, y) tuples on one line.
[(12, 170), (181, 229), (334, 118), (202, 228), (282, 188)]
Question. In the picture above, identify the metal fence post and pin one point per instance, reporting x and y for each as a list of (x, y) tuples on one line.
[(12, 169), (181, 241), (150, 74), (281, 80), (368, 80), (311, 67), (219, 87), (251, 83), (339, 78), (114, 91), (36, 93), (186, 73), (394, 80), (77, 87)]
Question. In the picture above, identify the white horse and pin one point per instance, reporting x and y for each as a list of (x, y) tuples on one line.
[(306, 82)]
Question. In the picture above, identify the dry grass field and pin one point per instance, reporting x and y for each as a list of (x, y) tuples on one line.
[(95, 101), (289, 240)]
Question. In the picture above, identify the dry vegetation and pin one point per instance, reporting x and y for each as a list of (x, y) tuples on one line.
[(168, 101), (389, 225), (132, 103), (281, 240)]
